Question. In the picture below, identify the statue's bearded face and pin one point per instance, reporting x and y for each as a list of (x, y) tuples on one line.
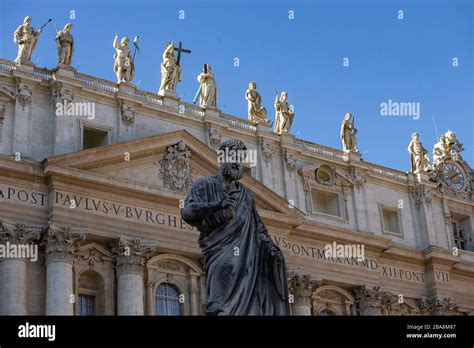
[(235, 171)]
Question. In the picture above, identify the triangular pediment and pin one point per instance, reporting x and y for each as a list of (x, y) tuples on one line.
[(139, 164)]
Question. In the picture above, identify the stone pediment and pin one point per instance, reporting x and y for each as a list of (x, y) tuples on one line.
[(145, 164)]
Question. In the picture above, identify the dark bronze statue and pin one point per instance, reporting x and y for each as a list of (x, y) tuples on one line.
[(246, 272)]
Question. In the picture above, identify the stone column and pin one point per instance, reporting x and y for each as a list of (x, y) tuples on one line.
[(301, 287), (194, 293), (130, 258), (61, 244), (16, 237), (149, 297)]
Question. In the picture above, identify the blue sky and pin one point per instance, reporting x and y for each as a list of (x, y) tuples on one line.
[(407, 60)]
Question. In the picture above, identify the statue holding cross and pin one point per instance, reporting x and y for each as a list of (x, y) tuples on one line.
[(171, 69)]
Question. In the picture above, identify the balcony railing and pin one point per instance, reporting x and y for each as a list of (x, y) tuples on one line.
[(96, 83)]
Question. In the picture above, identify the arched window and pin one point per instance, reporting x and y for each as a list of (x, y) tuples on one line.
[(91, 294), (167, 300), (326, 312)]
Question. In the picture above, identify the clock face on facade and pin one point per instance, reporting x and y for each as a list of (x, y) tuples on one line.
[(454, 176)]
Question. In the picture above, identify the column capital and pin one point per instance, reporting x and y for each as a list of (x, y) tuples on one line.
[(302, 287), (372, 300), (130, 255), (62, 242), (438, 306), (18, 233)]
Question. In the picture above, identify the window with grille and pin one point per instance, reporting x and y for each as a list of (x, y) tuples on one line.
[(459, 239), (167, 300), (86, 305)]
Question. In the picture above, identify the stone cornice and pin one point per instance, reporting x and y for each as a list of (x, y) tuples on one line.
[(440, 257), (313, 230), (25, 167)]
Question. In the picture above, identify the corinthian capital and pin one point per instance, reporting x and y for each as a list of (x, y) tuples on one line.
[(372, 301), (14, 233), (130, 255), (302, 286), (61, 243), (438, 306)]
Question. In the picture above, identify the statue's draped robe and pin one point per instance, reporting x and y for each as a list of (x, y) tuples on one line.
[(284, 117), (65, 42), (26, 37), (208, 90), (348, 136), (243, 276), (170, 73), (256, 113), (417, 155)]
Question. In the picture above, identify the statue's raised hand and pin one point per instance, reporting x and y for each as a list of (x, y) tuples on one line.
[(230, 200)]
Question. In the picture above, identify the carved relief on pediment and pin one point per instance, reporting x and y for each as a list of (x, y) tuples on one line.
[(175, 167)]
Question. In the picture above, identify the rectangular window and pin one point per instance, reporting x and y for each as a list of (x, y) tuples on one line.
[(86, 305), (92, 138), (326, 203), (459, 236), (390, 220)]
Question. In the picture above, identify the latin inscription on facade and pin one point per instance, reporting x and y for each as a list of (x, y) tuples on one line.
[(14, 194), (393, 272)]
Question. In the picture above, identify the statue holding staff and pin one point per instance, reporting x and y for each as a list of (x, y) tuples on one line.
[(124, 65), (26, 37)]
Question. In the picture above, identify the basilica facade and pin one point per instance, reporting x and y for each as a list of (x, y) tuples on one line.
[(98, 197)]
